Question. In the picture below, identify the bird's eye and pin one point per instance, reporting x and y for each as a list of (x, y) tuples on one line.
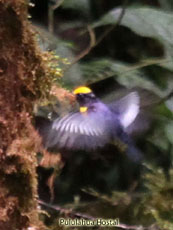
[(80, 95)]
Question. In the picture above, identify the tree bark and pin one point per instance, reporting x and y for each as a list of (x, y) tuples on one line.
[(21, 73)]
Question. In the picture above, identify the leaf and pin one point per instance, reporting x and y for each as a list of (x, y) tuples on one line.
[(169, 131), (164, 111), (146, 22), (169, 104), (127, 75), (81, 5), (166, 4)]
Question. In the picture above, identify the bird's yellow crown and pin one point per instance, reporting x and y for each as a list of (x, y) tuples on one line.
[(82, 89)]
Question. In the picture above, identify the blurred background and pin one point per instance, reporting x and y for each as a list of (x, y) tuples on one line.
[(114, 47)]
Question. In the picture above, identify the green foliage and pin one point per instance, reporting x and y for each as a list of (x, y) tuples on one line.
[(81, 6), (169, 131), (63, 51), (166, 4), (135, 17), (153, 206), (159, 203), (127, 75), (146, 22), (151, 70)]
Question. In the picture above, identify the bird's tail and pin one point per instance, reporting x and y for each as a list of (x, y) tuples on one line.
[(133, 153)]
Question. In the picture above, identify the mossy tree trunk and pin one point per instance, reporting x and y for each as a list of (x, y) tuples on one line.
[(21, 71)]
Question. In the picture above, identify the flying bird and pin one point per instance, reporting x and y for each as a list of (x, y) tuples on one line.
[(96, 124)]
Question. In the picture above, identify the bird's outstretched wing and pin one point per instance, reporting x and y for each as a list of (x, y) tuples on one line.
[(78, 131), (127, 108)]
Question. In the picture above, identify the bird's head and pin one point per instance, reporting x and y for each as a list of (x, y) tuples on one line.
[(84, 97)]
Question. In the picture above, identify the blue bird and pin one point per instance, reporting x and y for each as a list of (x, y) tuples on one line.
[(96, 125)]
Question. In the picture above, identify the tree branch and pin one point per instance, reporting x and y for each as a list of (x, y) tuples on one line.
[(72, 213), (65, 211), (51, 9), (113, 26), (93, 41), (87, 50)]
